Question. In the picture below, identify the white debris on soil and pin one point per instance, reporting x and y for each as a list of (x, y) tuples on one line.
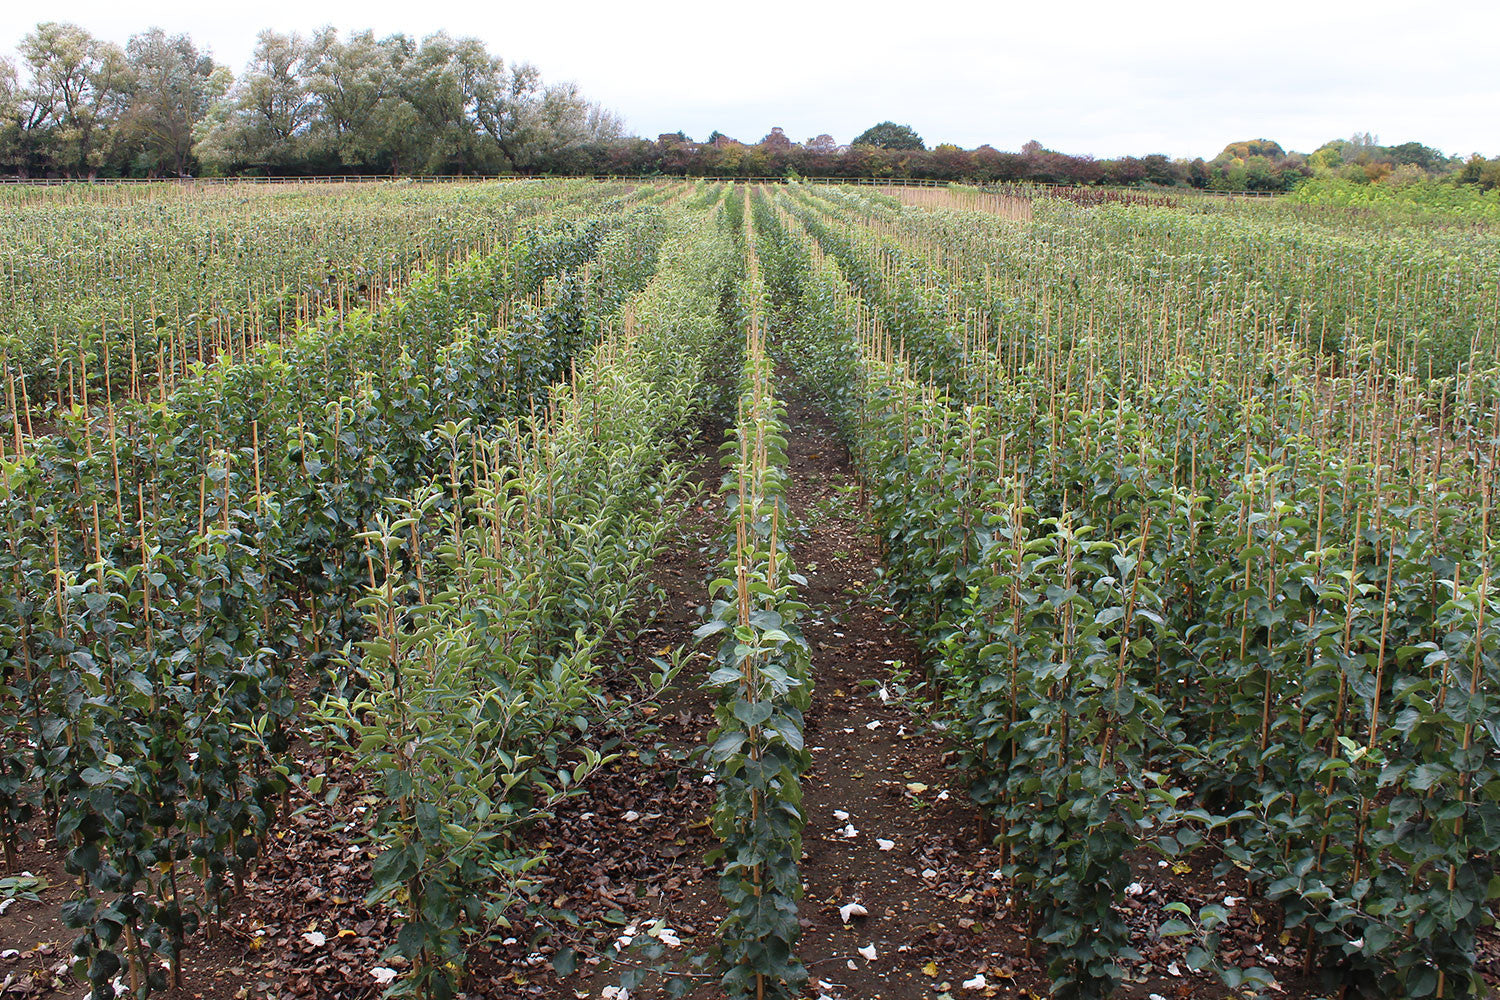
[(850, 910)]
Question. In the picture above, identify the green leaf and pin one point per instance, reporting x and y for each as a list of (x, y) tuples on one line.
[(752, 713), (728, 744), (709, 628)]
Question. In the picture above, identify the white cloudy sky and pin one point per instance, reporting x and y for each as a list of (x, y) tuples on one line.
[(1081, 76)]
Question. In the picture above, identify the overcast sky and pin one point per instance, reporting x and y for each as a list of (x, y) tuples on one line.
[(1080, 76)]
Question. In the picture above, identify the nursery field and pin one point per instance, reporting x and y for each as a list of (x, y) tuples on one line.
[(571, 589)]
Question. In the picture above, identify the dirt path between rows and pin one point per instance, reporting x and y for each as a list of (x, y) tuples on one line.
[(930, 901), (887, 830)]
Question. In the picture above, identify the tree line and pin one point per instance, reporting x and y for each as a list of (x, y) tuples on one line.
[(897, 151), (73, 105), (821, 157)]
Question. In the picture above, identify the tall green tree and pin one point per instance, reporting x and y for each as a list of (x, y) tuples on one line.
[(557, 119), (78, 89), (268, 114), (10, 115), (889, 135), (361, 116), (455, 87), (1419, 155), (174, 85)]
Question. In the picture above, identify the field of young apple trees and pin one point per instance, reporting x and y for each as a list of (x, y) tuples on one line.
[(559, 588)]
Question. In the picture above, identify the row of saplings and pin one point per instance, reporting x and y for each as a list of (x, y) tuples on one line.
[(1279, 668), (164, 564)]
